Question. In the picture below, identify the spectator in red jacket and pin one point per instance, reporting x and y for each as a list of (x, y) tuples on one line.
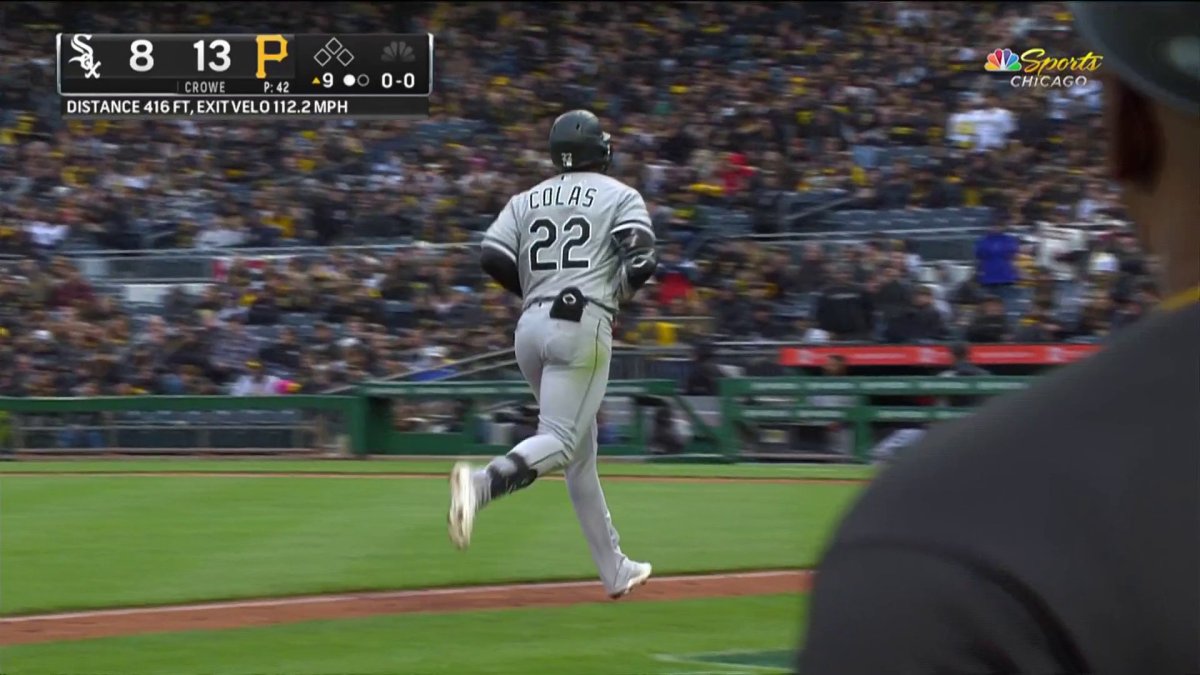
[(736, 174), (72, 291), (675, 277)]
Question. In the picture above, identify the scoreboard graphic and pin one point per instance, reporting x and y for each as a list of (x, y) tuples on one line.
[(259, 76)]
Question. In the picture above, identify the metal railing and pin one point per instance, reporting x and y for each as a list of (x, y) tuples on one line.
[(844, 237), (258, 252), (628, 362), (195, 265), (794, 219), (454, 369)]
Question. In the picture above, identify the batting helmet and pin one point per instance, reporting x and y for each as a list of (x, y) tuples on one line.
[(577, 143)]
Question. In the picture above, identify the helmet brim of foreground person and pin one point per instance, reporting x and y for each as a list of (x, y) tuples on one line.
[(1152, 46), (578, 142)]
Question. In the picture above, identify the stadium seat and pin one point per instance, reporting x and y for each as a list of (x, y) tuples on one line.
[(298, 319)]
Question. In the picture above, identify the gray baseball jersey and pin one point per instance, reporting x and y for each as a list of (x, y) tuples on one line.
[(560, 234)]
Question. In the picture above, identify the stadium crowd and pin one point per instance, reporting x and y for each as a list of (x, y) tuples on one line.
[(715, 107)]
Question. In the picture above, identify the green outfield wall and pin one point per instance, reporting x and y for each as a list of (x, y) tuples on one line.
[(371, 419)]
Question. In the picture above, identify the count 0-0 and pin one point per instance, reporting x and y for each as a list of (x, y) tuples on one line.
[(407, 80)]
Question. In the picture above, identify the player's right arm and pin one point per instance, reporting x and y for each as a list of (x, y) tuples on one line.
[(633, 236), (500, 245)]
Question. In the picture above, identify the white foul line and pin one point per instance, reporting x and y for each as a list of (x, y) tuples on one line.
[(384, 595)]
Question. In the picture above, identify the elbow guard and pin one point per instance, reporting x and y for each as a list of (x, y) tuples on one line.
[(639, 260), (639, 267), (502, 268)]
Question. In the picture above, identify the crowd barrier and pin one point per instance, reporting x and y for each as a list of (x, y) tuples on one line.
[(181, 424), (383, 435), (852, 403), (375, 417)]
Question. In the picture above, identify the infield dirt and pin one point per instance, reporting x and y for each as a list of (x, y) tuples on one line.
[(246, 613)]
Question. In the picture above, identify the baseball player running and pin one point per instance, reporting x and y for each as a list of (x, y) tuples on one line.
[(573, 247)]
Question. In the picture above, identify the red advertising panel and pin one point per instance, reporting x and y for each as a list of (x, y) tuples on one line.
[(936, 355)]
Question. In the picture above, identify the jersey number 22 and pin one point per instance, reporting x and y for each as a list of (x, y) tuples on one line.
[(579, 231)]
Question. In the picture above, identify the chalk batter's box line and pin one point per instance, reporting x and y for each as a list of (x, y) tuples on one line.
[(732, 669)]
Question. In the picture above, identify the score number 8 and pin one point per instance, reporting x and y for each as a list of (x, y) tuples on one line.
[(408, 80), (141, 59)]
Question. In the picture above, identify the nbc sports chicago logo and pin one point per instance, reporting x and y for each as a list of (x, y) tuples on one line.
[(1034, 68)]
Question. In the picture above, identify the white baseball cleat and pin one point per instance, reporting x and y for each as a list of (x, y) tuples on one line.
[(462, 505), (639, 573)]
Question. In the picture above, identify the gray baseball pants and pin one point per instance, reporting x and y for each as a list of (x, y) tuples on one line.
[(566, 364)]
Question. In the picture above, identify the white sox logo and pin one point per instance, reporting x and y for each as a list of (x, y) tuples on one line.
[(91, 69)]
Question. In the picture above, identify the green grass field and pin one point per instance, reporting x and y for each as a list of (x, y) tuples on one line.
[(95, 541), (438, 467)]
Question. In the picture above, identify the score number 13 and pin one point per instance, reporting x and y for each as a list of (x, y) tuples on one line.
[(220, 50)]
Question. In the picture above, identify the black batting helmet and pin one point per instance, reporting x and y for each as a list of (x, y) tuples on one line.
[(577, 143)]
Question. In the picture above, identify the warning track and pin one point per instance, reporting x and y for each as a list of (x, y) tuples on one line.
[(246, 613), (426, 476)]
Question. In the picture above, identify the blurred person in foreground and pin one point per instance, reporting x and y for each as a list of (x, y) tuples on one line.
[(1055, 531)]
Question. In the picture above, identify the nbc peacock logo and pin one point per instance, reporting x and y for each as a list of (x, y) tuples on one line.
[(1002, 60)]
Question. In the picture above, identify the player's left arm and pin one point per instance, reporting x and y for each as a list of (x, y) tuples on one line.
[(633, 235), (498, 257)]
